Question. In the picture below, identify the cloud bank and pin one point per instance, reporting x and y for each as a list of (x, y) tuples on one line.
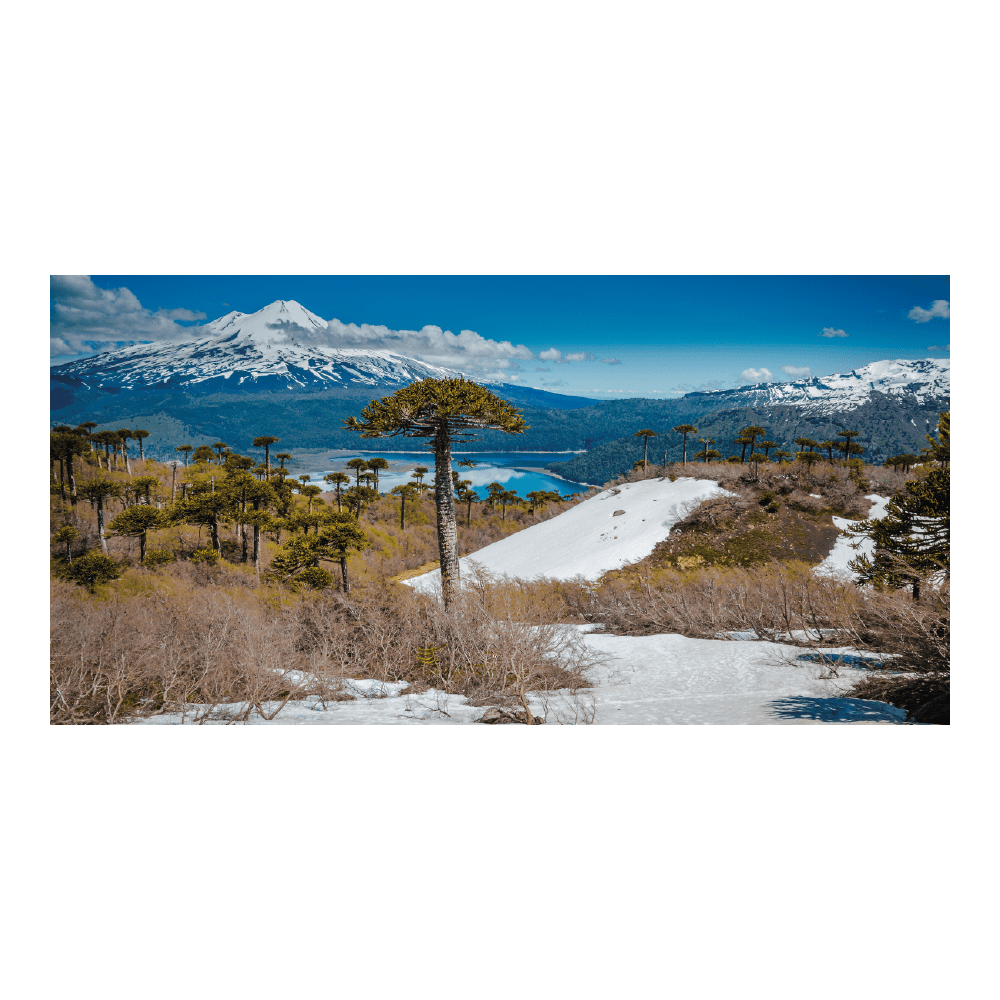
[(939, 308), (804, 372), (829, 331), (85, 318), (756, 375)]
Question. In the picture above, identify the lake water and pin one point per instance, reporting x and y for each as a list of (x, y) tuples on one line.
[(519, 471)]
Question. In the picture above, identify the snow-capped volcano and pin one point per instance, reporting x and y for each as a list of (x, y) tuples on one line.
[(920, 381), (283, 345)]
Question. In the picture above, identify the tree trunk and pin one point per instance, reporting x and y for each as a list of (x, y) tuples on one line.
[(62, 481), (173, 483), (916, 590), (685, 447), (69, 552), (256, 549), (216, 544), (128, 464), (100, 524), (343, 573), (141, 457), (72, 480), (402, 513), (444, 500), (142, 547), (645, 453)]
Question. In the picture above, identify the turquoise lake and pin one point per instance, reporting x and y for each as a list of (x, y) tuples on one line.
[(521, 472)]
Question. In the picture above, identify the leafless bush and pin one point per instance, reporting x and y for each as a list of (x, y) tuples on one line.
[(142, 655), (781, 601)]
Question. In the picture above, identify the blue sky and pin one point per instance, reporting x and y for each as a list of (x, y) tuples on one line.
[(593, 336)]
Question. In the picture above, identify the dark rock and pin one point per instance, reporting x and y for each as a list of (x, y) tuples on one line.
[(495, 715), (617, 512)]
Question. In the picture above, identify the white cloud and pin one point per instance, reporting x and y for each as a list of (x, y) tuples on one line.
[(85, 318), (939, 307), (796, 372), (609, 361), (756, 375), (829, 331), (942, 347), (543, 369)]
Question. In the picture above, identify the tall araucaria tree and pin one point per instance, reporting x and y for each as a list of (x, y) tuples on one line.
[(337, 480), (265, 442), (97, 491), (124, 436), (139, 435), (684, 430), (645, 434), (135, 522), (185, 450), (444, 410)]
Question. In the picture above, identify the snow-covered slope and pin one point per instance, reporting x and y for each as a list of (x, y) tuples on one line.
[(843, 551), (590, 539), (923, 381), (283, 345), (645, 680)]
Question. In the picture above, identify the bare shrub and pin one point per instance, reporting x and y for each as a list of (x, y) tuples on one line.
[(126, 657)]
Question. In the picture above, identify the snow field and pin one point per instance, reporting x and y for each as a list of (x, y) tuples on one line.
[(843, 551), (643, 680), (590, 539)]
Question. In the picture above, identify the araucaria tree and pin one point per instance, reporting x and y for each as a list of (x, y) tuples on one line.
[(914, 537), (684, 430), (97, 491), (443, 410), (265, 442), (645, 434), (134, 522)]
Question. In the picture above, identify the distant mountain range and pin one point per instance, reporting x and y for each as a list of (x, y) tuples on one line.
[(277, 371), (915, 381)]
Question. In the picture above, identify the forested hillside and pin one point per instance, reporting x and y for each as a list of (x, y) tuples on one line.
[(886, 427)]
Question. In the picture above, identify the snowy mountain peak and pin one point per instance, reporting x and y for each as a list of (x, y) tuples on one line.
[(282, 346), (923, 380)]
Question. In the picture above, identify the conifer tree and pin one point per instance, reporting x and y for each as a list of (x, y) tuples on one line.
[(829, 446), (748, 436), (337, 481), (469, 497), (67, 535), (703, 454), (206, 509), (124, 436), (444, 410), (377, 464), (185, 449), (219, 446), (743, 440), (139, 435), (265, 442), (767, 446), (92, 569), (645, 434), (358, 465), (684, 430), (405, 491), (203, 453), (804, 442), (915, 535), (134, 522), (418, 474), (282, 457), (940, 449), (144, 485)]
